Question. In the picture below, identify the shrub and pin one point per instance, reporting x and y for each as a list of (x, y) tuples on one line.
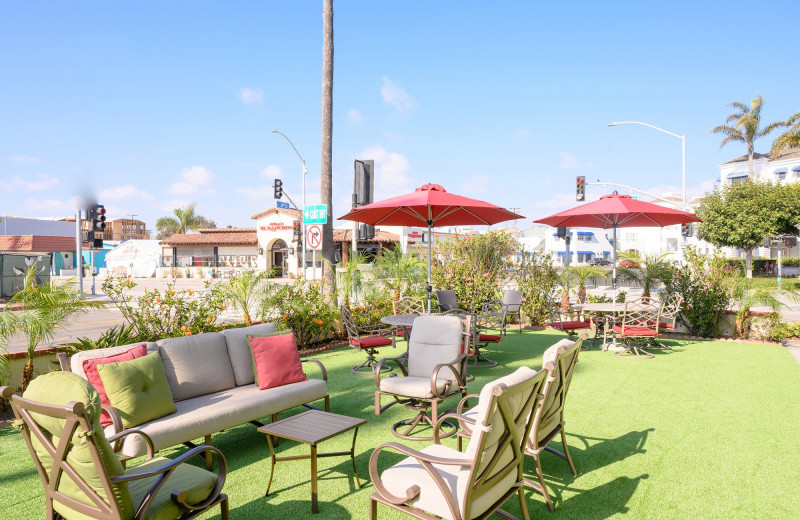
[(536, 278), (474, 266), (706, 285), (301, 307), (779, 330), (175, 312)]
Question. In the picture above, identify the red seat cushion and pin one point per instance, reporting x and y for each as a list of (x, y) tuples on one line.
[(371, 342), (401, 333), (277, 360), (571, 325), (90, 369), (634, 331), (663, 325), (489, 337)]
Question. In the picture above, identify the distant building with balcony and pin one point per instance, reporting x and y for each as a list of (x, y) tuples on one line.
[(783, 168)]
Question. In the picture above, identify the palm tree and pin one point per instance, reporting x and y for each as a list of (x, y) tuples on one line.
[(246, 291), (746, 128), (400, 272), (584, 273), (790, 137), (326, 177), (565, 280), (350, 279), (185, 219), (44, 309), (747, 296), (652, 268)]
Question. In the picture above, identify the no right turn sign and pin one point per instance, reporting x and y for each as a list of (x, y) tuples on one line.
[(314, 238)]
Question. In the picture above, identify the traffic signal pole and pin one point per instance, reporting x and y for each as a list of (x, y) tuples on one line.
[(78, 250)]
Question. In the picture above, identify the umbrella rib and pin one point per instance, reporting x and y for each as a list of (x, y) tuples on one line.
[(476, 216)]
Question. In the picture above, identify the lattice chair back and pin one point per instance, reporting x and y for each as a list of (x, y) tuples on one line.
[(491, 316), (349, 323), (638, 314), (670, 308), (409, 305), (434, 340), (499, 437)]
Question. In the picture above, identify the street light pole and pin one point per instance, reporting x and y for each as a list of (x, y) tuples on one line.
[(683, 149), (302, 221)]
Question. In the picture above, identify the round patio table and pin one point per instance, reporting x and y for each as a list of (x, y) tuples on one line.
[(400, 320), (615, 309)]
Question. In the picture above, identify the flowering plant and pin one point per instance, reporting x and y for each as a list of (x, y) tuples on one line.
[(536, 278), (301, 307)]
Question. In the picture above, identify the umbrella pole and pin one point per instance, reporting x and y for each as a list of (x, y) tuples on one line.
[(430, 245), (614, 263)]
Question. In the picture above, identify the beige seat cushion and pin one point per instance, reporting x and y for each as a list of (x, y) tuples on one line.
[(412, 386), (76, 361), (434, 340), (551, 353), (239, 350), (196, 365), (215, 412)]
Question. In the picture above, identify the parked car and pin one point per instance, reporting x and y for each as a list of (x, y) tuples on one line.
[(599, 261), (628, 263)]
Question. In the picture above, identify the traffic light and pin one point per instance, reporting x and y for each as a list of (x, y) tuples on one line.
[(97, 215), (790, 241), (278, 188), (686, 230), (297, 231), (580, 188)]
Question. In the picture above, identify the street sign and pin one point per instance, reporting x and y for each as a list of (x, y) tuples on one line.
[(315, 214), (282, 205), (314, 238)]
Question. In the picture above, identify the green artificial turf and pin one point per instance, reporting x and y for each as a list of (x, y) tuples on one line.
[(708, 430)]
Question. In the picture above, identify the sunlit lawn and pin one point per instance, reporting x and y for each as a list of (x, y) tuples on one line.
[(707, 430)]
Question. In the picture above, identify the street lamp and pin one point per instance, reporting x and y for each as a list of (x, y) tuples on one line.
[(305, 171), (683, 148)]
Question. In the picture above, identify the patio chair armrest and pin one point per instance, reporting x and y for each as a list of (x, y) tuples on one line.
[(117, 439), (319, 365), (375, 329), (463, 402), (460, 360), (463, 421), (163, 473), (116, 420), (426, 461), (378, 370)]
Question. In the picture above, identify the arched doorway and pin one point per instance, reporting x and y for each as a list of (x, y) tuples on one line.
[(279, 257)]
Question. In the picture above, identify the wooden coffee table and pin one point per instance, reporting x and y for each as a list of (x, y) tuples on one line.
[(311, 428)]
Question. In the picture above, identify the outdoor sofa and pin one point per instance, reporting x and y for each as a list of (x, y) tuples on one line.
[(212, 383)]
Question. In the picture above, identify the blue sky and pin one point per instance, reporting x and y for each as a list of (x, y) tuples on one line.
[(152, 105)]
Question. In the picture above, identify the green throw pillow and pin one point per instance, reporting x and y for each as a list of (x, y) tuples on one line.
[(253, 359), (138, 389)]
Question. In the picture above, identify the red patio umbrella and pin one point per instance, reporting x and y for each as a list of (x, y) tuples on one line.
[(615, 210), (430, 205)]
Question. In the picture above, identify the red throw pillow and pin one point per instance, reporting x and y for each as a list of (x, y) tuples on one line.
[(277, 360), (90, 368)]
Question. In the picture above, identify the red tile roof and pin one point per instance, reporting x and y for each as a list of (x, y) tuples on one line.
[(218, 237), (291, 212), (228, 230), (37, 243), (346, 235)]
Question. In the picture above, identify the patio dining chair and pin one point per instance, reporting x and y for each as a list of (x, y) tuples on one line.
[(488, 320), (638, 326), (670, 308), (440, 482), (447, 300), (569, 322), (59, 415), (512, 306), (366, 339), (433, 369)]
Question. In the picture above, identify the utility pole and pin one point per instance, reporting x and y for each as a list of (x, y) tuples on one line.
[(78, 249)]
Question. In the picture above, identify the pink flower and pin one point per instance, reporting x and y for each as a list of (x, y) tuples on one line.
[(470, 284), (486, 274)]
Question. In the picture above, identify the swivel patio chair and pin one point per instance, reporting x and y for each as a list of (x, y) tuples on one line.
[(440, 482), (639, 326), (490, 318), (59, 415), (447, 300), (547, 420), (670, 308), (569, 322), (437, 369), (512, 306), (407, 305), (366, 339)]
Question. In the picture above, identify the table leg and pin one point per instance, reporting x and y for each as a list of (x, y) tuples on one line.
[(314, 505), (353, 457), (272, 463)]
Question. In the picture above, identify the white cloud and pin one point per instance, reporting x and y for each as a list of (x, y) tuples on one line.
[(41, 183), (391, 169), (395, 95), (170, 205), (354, 116), (49, 205), (475, 186), (125, 192), (196, 179), (24, 159), (521, 132), (272, 172), (571, 162), (257, 192), (251, 96)]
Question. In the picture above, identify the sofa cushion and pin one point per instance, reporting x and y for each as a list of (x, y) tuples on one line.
[(76, 361), (90, 368), (138, 389), (219, 411), (277, 360), (253, 359), (196, 365), (239, 350)]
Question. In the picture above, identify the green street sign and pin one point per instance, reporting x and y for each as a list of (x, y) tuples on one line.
[(315, 214)]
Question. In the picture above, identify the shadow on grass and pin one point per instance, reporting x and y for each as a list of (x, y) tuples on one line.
[(261, 508), (603, 501)]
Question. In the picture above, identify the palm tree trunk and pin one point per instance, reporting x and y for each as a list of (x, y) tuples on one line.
[(581, 293), (326, 178), (750, 171), (565, 301), (27, 374)]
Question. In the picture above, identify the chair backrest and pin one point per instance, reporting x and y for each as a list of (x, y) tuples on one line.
[(512, 300), (670, 307), (60, 418), (447, 300), (349, 323), (641, 313), (434, 340), (409, 305), (497, 445), (491, 315), (553, 308), (559, 361)]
